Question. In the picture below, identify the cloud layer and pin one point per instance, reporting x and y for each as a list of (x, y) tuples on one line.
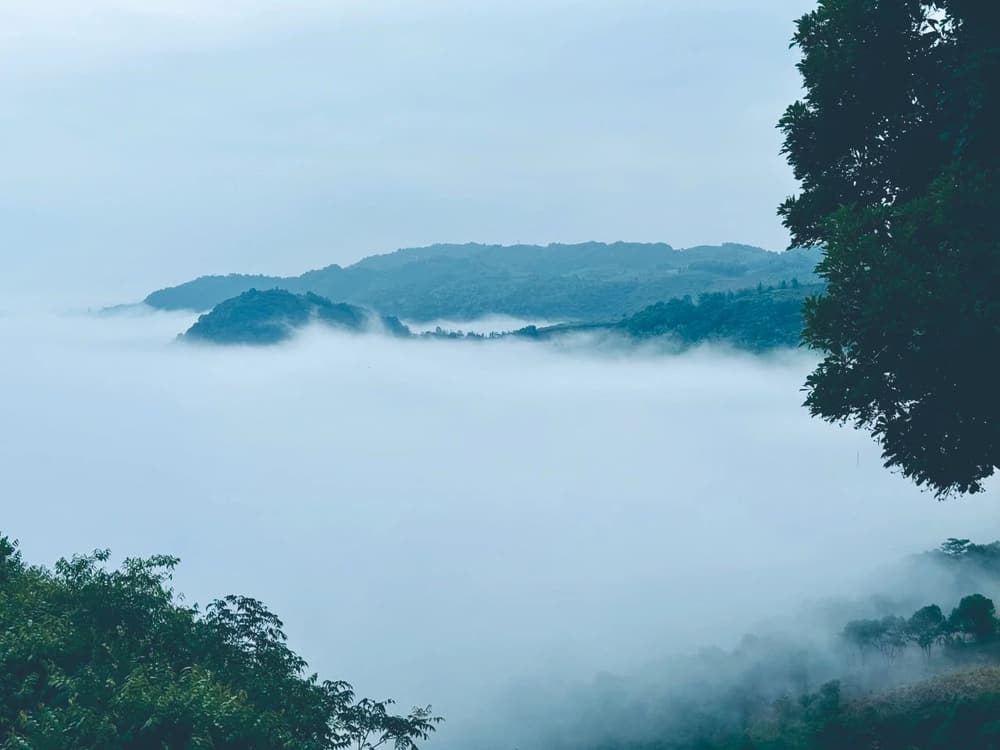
[(436, 519)]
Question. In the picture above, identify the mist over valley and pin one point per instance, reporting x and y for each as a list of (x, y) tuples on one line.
[(442, 521), (499, 375)]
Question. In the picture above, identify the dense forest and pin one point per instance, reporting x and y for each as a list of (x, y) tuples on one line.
[(591, 282)]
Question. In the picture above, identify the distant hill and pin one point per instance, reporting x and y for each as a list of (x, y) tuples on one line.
[(756, 320), (592, 282), (271, 316), (753, 319)]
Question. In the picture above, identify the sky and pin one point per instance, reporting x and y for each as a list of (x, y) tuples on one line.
[(150, 141)]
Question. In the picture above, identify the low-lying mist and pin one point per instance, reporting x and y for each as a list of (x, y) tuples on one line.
[(486, 325), (438, 520)]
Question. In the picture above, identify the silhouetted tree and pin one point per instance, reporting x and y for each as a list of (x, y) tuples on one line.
[(955, 547), (864, 635), (925, 627), (895, 145), (975, 616)]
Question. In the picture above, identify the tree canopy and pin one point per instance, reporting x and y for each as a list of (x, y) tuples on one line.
[(97, 658), (895, 144)]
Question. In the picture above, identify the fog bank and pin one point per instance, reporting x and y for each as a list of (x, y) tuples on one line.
[(486, 325), (435, 519)]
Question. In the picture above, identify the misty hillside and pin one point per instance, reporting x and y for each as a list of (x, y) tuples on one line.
[(115, 657), (906, 673), (755, 320), (267, 317), (584, 282)]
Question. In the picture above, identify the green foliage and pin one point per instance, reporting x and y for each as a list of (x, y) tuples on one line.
[(110, 659), (587, 282), (895, 146), (268, 317)]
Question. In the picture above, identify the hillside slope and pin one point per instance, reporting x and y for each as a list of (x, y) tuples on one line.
[(755, 320), (584, 282)]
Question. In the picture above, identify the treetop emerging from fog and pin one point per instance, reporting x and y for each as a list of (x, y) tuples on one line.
[(896, 148)]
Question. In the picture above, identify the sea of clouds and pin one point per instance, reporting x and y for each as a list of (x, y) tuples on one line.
[(436, 520)]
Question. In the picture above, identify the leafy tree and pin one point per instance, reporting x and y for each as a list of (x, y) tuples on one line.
[(99, 658), (956, 548), (864, 635), (925, 627), (975, 615), (895, 146), (368, 724)]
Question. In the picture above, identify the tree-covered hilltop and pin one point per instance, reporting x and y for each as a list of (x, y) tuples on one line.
[(273, 315), (584, 282), (752, 319), (92, 657), (755, 320)]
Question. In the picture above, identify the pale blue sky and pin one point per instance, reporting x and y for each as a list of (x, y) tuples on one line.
[(149, 141)]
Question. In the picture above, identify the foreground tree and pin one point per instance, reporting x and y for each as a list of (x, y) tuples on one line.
[(896, 144), (98, 658)]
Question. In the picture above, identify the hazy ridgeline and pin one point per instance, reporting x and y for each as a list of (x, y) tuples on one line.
[(444, 523)]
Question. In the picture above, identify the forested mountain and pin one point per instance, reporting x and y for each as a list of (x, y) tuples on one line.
[(584, 282)]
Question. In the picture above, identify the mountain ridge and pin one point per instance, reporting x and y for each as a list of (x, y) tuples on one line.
[(584, 282), (756, 320)]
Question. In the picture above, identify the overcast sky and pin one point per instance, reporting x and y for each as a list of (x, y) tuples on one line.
[(149, 141)]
